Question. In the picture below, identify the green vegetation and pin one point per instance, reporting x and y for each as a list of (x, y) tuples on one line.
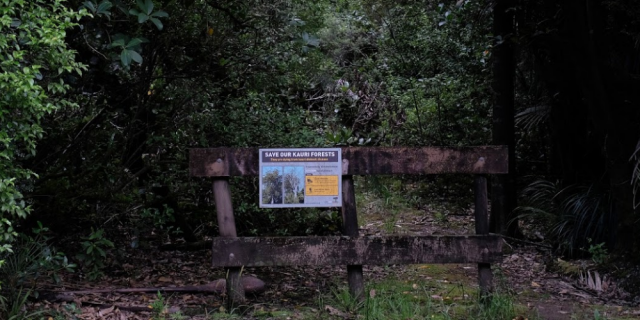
[(100, 101), (31, 260), (35, 61), (68, 312), (94, 253), (432, 292), (160, 310)]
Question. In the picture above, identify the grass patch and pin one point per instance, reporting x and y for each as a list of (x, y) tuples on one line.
[(423, 292), (399, 300), (388, 201)]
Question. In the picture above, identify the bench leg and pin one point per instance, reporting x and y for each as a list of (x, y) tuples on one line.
[(350, 228), (485, 277), (227, 227)]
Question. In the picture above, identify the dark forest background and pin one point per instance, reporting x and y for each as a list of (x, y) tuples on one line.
[(101, 101)]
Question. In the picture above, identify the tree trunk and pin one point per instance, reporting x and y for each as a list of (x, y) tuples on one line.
[(503, 195)]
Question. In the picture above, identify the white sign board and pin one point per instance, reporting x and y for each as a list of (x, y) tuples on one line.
[(291, 178)]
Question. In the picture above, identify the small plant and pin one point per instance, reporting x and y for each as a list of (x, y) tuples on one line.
[(32, 258), (160, 311), (67, 312), (599, 252), (346, 301), (162, 219), (94, 253), (158, 307), (390, 223), (598, 316), (14, 307)]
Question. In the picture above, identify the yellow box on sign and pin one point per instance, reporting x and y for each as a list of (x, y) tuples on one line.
[(321, 185)]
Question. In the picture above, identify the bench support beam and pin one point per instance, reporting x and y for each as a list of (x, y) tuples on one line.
[(335, 251)]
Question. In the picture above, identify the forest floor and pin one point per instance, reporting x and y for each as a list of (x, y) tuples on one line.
[(537, 285)]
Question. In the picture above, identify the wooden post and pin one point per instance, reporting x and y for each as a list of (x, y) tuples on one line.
[(485, 277), (350, 228), (227, 226)]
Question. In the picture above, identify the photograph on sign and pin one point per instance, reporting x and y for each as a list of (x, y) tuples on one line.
[(292, 178)]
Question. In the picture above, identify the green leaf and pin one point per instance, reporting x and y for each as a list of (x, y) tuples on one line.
[(90, 5), (135, 56), (140, 4), (157, 23), (142, 17), (117, 43), (134, 12), (149, 5), (449, 16), (160, 14), (134, 42), (296, 22), (146, 6), (125, 57), (104, 6)]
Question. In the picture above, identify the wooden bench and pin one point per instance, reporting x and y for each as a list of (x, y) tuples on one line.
[(234, 253)]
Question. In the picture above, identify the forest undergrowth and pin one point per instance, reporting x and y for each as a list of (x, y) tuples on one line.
[(530, 283)]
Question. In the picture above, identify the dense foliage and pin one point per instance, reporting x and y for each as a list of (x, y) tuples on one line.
[(34, 72), (165, 77)]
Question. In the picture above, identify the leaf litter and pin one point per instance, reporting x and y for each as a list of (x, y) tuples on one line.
[(529, 272)]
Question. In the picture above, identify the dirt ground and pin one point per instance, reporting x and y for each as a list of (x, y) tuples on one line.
[(529, 272)]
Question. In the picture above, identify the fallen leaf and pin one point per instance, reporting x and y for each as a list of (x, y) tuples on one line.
[(535, 284), (372, 293), (105, 311), (334, 312)]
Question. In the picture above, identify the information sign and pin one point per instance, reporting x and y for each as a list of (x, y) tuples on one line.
[(292, 178)]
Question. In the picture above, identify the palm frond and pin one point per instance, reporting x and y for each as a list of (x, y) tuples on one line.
[(635, 176), (570, 214), (532, 117)]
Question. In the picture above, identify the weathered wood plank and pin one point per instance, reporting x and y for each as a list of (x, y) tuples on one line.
[(355, 277), (322, 251), (364, 161)]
